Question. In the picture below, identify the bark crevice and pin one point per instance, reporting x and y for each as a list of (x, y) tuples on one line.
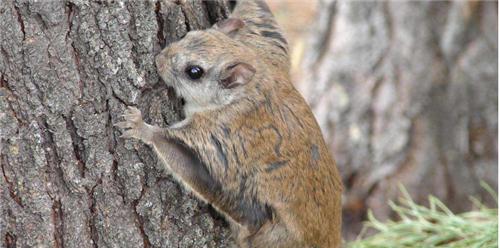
[(67, 72), (10, 184), (20, 20), (159, 19)]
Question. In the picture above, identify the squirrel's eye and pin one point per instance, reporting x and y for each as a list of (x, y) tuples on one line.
[(194, 72)]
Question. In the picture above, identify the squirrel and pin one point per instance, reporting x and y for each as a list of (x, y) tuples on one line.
[(249, 145)]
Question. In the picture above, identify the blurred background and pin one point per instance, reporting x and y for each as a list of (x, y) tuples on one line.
[(406, 94)]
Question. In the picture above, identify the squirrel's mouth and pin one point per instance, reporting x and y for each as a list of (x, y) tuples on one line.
[(182, 102)]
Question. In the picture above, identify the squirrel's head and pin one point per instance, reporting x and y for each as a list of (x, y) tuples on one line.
[(208, 68)]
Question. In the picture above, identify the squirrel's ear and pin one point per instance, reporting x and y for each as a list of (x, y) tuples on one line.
[(229, 25), (236, 75)]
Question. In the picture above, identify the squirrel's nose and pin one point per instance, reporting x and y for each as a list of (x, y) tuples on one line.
[(161, 59), (160, 62)]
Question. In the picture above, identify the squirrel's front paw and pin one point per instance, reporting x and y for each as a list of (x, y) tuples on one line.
[(133, 123)]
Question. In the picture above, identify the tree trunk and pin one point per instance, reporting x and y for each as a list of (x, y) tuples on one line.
[(67, 71), (406, 92)]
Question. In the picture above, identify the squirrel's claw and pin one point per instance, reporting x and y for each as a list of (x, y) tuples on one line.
[(123, 124), (132, 123), (131, 133), (132, 114), (133, 111)]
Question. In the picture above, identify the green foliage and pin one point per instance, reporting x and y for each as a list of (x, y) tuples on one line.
[(433, 226)]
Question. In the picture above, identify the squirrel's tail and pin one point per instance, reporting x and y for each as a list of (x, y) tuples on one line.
[(257, 15)]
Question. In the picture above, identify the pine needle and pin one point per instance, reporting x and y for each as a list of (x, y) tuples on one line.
[(433, 226)]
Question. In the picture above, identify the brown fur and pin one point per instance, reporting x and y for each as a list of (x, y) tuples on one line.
[(259, 158)]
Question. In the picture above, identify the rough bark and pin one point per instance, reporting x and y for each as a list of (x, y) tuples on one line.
[(406, 92), (67, 71)]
